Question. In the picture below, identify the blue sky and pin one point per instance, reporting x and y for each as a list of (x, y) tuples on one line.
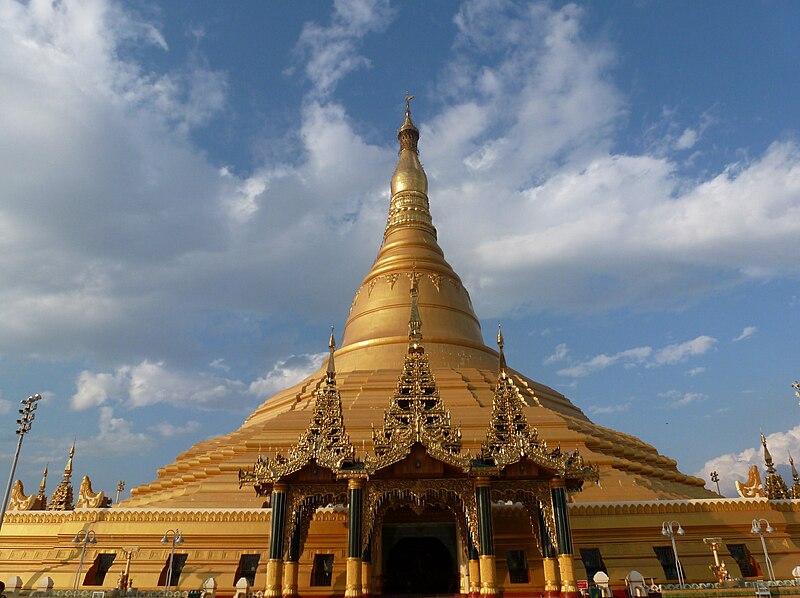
[(617, 183)]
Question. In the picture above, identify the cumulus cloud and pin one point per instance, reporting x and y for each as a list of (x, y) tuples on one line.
[(115, 436), (286, 373), (149, 383), (735, 466), (747, 332)]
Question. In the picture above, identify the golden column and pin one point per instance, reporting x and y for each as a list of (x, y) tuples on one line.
[(275, 562), (549, 563), (474, 568), (366, 571), (292, 556), (558, 492), (488, 567), (353, 583)]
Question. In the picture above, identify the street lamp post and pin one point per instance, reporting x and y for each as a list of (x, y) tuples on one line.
[(177, 538), (667, 530), (756, 529), (84, 537), (27, 416)]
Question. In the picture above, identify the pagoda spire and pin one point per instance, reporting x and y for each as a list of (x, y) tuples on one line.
[(409, 207), (330, 373), (774, 486), (62, 499), (42, 497), (414, 319), (501, 368), (795, 490)]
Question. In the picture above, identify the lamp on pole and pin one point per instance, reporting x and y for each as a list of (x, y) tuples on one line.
[(715, 479), (177, 538), (667, 530), (756, 529), (83, 537), (27, 416)]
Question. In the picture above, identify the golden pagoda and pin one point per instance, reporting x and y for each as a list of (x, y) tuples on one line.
[(415, 461)]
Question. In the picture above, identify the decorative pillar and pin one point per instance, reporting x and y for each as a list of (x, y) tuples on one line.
[(474, 569), (353, 583), (488, 567), (549, 563), (275, 562), (366, 570), (292, 557), (569, 588)]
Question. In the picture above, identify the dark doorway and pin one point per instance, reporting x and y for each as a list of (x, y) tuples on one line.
[(419, 559)]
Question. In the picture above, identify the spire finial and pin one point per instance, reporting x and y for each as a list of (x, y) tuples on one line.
[(68, 466), (414, 320), (331, 372), (502, 361), (795, 475), (408, 134), (44, 481)]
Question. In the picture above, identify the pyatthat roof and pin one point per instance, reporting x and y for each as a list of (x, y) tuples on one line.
[(371, 358)]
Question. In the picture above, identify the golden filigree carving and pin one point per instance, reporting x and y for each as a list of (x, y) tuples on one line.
[(774, 487), (436, 279), (304, 500), (392, 278), (455, 494), (533, 495), (325, 441), (62, 499), (510, 439)]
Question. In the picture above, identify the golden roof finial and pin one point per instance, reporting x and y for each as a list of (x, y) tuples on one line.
[(408, 134), (502, 360), (331, 371), (44, 481), (68, 466)]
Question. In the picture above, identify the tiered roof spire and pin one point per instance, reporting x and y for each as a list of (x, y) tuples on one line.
[(774, 486), (63, 497)]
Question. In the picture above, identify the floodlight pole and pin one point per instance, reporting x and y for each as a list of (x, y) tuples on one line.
[(756, 529), (27, 416), (666, 530)]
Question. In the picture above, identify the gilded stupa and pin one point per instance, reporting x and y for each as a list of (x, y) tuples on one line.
[(415, 461), (369, 360)]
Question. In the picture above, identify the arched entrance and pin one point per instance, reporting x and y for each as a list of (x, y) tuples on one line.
[(419, 553)]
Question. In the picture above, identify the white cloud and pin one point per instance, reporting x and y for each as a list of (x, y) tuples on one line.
[(602, 361), (735, 466), (747, 332), (168, 430), (5, 406), (149, 383), (115, 436), (687, 139), (609, 409), (286, 373), (669, 355), (696, 371), (330, 52), (680, 352), (560, 354)]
